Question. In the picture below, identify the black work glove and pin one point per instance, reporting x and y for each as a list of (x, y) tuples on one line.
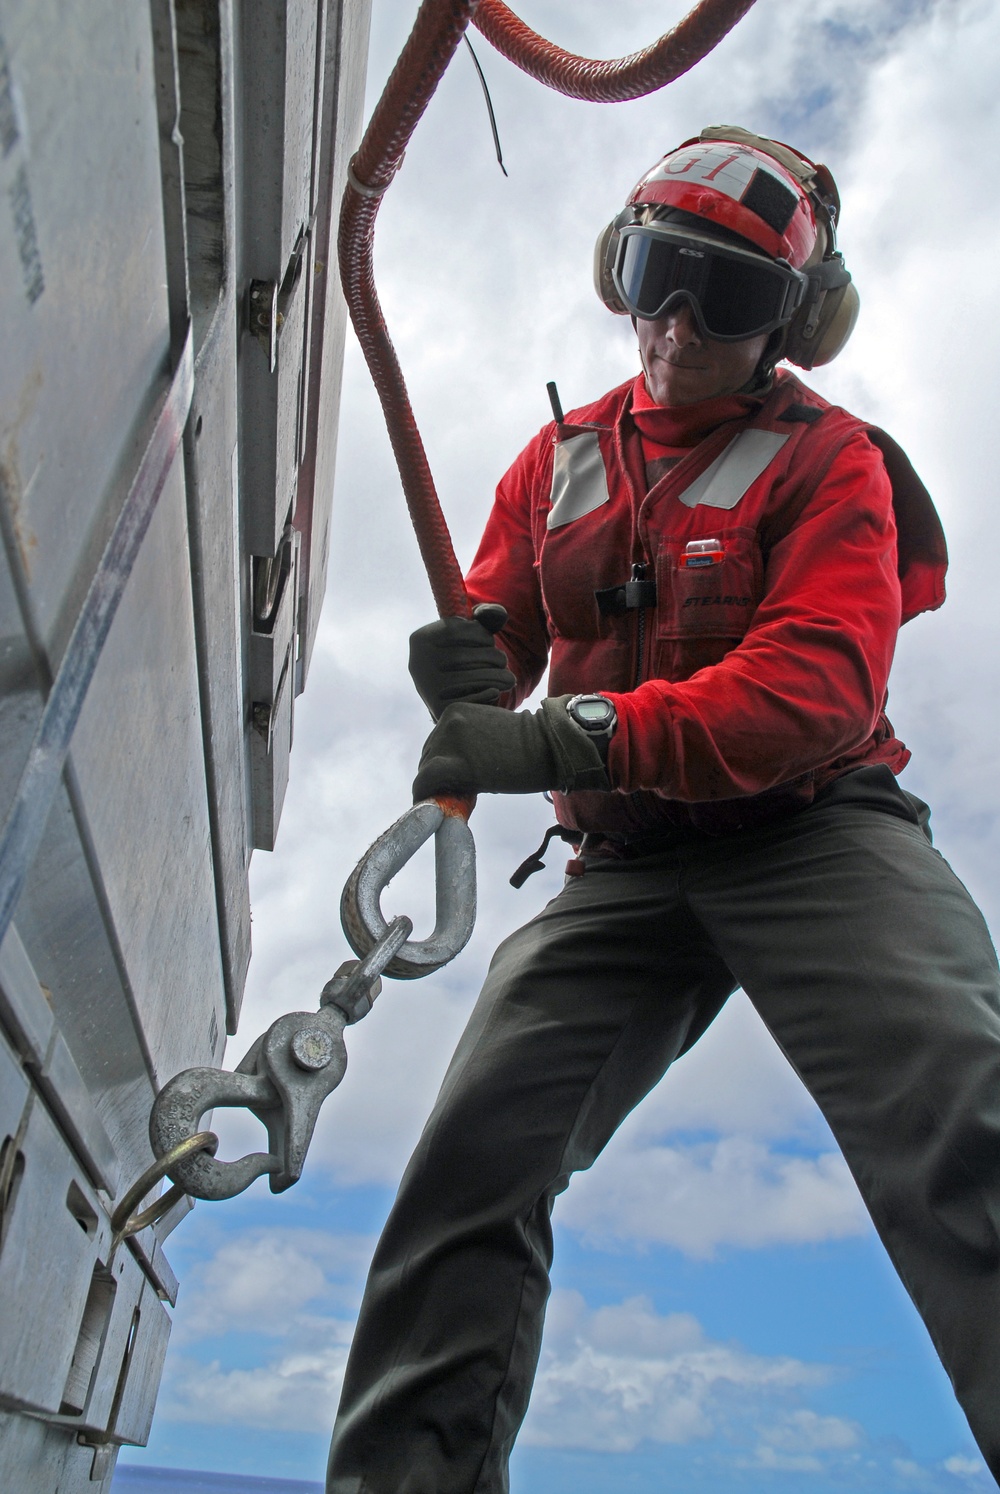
[(455, 658), (477, 749)]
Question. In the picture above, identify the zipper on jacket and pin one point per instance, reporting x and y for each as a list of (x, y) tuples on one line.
[(639, 574)]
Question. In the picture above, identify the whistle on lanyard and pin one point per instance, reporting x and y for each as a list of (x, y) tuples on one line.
[(700, 553)]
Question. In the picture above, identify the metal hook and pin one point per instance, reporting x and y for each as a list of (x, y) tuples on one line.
[(179, 1107), (455, 884), (283, 1080)]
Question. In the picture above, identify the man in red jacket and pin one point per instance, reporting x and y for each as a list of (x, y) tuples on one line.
[(715, 564)]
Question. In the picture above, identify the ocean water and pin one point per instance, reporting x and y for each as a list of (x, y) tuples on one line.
[(132, 1479)]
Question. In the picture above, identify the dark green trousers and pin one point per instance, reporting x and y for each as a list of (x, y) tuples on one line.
[(870, 964)]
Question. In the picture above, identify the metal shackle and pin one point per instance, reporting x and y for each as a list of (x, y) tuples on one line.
[(455, 884)]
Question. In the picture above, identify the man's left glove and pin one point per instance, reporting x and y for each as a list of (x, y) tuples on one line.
[(456, 658), (480, 749)]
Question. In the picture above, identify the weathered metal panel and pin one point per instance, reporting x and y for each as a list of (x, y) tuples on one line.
[(61, 921), (31, 1025), (37, 1456), (147, 823), (83, 271)]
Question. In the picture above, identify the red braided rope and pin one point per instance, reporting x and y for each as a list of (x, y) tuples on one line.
[(437, 32), (618, 79)]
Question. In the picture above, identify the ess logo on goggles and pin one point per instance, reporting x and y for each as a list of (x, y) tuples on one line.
[(733, 293)]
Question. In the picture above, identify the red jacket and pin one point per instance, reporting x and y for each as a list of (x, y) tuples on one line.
[(759, 673)]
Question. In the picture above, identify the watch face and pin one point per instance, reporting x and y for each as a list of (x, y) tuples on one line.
[(593, 711)]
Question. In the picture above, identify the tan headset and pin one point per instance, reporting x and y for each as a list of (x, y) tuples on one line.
[(825, 320)]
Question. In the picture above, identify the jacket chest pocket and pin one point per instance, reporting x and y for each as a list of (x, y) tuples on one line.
[(707, 590)]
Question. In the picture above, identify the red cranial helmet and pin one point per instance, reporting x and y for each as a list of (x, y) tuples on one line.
[(738, 188), (744, 229)]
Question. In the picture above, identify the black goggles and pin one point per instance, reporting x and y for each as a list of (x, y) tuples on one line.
[(733, 293)]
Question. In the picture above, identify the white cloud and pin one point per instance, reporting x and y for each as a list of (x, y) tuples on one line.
[(297, 1392), (728, 1192), (614, 1376), (734, 1081), (609, 1378), (297, 1287), (803, 1431), (262, 1281), (966, 1468)]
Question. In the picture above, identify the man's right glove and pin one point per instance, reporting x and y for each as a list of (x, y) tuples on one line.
[(477, 749), (455, 658)]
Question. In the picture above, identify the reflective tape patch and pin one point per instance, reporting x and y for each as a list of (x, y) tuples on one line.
[(579, 481), (723, 484), (733, 171), (727, 167)]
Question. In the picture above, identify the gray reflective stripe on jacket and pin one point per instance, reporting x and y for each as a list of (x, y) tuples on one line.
[(579, 481), (723, 484)]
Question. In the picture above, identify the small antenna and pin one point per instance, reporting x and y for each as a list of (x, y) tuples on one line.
[(489, 106), (557, 409)]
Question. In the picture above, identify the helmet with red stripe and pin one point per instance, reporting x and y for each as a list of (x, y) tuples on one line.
[(738, 188)]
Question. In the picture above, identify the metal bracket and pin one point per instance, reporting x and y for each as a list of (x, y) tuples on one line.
[(270, 300)]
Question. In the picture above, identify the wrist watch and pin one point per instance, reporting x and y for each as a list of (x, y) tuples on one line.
[(596, 714)]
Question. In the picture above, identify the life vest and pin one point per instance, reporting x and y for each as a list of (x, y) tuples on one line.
[(658, 584)]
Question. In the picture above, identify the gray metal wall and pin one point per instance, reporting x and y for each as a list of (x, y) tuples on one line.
[(169, 170)]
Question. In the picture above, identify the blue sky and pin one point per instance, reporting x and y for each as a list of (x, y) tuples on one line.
[(722, 1316)]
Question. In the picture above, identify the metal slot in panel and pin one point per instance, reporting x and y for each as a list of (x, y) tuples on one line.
[(143, 1365), (272, 674), (51, 1246)]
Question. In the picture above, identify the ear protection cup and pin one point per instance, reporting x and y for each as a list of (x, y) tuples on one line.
[(833, 327), (605, 254)]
